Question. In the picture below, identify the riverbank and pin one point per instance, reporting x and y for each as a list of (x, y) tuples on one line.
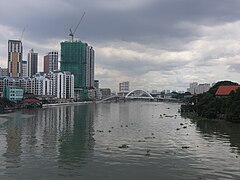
[(67, 103), (195, 117)]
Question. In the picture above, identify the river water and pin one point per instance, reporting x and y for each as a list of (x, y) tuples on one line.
[(83, 142)]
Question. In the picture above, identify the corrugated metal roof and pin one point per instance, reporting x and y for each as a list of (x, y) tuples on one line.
[(30, 100), (225, 90)]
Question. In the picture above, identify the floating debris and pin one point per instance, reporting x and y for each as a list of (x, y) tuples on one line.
[(178, 129), (148, 152), (181, 124), (100, 131), (124, 146), (169, 116), (141, 141), (184, 127), (149, 137), (185, 147), (109, 131)]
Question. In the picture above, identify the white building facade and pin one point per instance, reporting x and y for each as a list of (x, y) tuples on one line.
[(55, 84), (196, 88), (63, 84)]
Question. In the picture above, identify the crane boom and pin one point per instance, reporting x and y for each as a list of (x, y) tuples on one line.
[(72, 33), (22, 34)]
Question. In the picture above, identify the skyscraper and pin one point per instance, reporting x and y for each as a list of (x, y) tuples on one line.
[(45, 64), (24, 69), (32, 63), (15, 51), (51, 61), (78, 58)]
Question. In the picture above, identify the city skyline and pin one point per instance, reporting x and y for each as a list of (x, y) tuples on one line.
[(153, 44)]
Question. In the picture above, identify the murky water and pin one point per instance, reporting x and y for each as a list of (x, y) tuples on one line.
[(82, 142)]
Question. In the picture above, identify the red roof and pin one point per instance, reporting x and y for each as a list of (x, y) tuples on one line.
[(225, 90), (30, 100)]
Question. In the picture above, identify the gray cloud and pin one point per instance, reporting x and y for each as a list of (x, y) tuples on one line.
[(167, 37)]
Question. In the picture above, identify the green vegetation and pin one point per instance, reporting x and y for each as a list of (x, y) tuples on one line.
[(4, 102), (209, 106)]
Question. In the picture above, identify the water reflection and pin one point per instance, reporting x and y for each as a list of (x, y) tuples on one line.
[(55, 138), (225, 131), (13, 139), (58, 143), (76, 143)]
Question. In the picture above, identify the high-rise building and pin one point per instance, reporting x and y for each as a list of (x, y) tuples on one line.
[(89, 66), (51, 61), (78, 58), (3, 72), (63, 84), (96, 84), (45, 64), (196, 88), (15, 51), (24, 69), (123, 88), (32, 63)]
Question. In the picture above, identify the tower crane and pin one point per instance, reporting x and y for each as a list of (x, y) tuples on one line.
[(22, 34), (72, 33)]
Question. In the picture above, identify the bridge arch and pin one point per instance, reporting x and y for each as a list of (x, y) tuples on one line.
[(139, 93)]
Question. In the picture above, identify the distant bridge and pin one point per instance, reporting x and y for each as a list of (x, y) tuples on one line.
[(137, 94)]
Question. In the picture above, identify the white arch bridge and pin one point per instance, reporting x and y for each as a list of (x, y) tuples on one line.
[(139, 94), (133, 95)]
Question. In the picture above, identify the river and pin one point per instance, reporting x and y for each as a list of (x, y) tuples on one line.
[(116, 141)]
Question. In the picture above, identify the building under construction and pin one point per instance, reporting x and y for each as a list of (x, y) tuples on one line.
[(78, 58)]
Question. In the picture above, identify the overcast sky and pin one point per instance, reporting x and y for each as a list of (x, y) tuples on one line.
[(154, 44)]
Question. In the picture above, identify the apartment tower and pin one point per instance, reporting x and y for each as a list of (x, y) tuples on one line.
[(15, 51), (51, 61), (32, 63)]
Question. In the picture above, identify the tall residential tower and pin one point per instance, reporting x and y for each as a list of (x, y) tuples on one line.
[(32, 63), (15, 51), (51, 62)]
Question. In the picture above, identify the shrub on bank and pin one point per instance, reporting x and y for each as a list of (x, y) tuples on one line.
[(210, 106)]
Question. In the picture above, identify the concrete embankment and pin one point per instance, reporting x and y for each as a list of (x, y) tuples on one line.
[(66, 104)]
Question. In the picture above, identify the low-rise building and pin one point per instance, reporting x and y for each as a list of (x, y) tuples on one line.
[(106, 92), (123, 88), (13, 93)]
